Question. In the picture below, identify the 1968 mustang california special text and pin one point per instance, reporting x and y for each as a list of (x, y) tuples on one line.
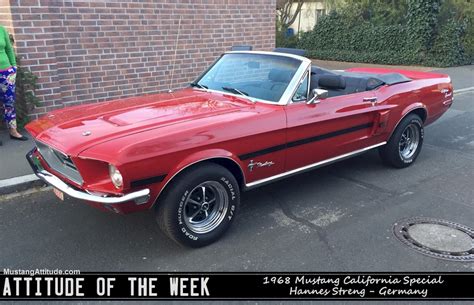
[(250, 119)]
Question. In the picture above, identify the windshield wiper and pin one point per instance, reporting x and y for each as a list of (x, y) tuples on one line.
[(199, 85), (235, 90)]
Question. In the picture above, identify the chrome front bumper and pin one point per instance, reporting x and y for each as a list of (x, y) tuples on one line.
[(139, 197)]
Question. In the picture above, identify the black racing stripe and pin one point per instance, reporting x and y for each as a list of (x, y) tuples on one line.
[(262, 152), (304, 141), (147, 181), (329, 135)]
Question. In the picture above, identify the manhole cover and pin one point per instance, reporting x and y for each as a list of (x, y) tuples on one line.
[(437, 238)]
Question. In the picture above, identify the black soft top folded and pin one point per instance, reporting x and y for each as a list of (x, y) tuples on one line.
[(341, 82)]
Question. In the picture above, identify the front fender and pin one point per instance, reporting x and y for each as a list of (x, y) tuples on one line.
[(193, 159)]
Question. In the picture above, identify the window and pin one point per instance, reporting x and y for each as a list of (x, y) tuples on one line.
[(301, 93), (260, 76), (319, 14)]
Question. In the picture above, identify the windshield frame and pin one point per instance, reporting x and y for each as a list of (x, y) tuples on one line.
[(287, 95)]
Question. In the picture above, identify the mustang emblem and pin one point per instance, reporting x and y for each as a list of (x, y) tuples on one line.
[(253, 164), (86, 133)]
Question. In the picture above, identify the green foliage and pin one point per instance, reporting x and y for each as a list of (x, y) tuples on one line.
[(281, 40), (25, 94), (461, 11), (359, 33), (422, 22), (468, 40), (285, 42), (447, 46)]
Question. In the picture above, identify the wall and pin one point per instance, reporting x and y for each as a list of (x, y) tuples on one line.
[(307, 19), (88, 51), (5, 15)]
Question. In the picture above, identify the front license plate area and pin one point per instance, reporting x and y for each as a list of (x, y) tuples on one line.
[(58, 194)]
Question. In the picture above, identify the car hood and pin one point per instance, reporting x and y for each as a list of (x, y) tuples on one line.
[(74, 129)]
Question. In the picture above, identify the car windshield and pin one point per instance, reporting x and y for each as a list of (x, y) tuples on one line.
[(258, 76)]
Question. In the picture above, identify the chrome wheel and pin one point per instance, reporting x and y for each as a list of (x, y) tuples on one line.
[(206, 207), (409, 141)]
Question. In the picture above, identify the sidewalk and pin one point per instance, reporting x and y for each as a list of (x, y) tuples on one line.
[(12, 156), (13, 164), (341, 65)]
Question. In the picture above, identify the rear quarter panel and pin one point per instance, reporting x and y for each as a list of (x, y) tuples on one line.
[(426, 91)]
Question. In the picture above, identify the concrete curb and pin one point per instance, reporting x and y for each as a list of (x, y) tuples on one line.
[(18, 184)]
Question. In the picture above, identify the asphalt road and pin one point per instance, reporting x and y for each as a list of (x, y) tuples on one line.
[(338, 218)]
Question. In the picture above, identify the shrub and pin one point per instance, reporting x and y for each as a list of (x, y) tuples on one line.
[(25, 94), (281, 38), (283, 41), (422, 22), (347, 35), (448, 46)]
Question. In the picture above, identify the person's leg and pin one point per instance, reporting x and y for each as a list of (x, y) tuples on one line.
[(7, 90), (3, 90), (11, 122), (10, 117)]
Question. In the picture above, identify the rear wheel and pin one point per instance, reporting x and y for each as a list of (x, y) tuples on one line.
[(405, 143), (199, 206)]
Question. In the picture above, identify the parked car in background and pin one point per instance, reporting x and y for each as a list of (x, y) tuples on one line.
[(250, 119)]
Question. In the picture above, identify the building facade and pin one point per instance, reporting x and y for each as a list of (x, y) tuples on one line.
[(86, 51), (310, 12)]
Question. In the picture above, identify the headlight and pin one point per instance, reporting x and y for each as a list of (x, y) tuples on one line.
[(115, 176)]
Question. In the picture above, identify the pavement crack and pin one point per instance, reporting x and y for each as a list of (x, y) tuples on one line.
[(288, 213), (366, 185), (321, 233)]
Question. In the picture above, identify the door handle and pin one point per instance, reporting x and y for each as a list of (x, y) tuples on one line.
[(372, 100)]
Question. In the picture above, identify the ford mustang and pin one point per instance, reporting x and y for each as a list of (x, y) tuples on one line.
[(251, 118)]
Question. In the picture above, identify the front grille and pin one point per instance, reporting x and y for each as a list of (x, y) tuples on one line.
[(59, 162)]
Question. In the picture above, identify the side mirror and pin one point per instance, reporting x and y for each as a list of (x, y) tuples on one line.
[(317, 95)]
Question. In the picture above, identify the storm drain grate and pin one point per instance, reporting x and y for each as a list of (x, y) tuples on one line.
[(437, 238)]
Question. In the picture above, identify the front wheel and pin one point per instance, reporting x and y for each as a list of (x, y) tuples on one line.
[(405, 143), (199, 206)]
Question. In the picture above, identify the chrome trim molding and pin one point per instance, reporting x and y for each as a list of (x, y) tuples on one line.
[(138, 197), (302, 58), (294, 83), (311, 166), (306, 73), (59, 162), (290, 89)]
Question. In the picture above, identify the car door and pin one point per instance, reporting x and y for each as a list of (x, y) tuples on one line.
[(330, 128)]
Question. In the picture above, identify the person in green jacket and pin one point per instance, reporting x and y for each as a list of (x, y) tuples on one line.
[(7, 84)]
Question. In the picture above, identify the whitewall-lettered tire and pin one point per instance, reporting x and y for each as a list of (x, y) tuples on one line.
[(405, 143), (199, 206)]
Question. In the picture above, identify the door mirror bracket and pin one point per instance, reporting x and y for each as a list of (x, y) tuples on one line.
[(317, 95)]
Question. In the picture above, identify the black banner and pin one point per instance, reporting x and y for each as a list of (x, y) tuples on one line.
[(17, 285)]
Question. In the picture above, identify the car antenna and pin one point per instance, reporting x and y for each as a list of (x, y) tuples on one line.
[(174, 59)]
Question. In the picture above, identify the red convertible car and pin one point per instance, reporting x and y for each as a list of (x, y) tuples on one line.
[(250, 119)]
